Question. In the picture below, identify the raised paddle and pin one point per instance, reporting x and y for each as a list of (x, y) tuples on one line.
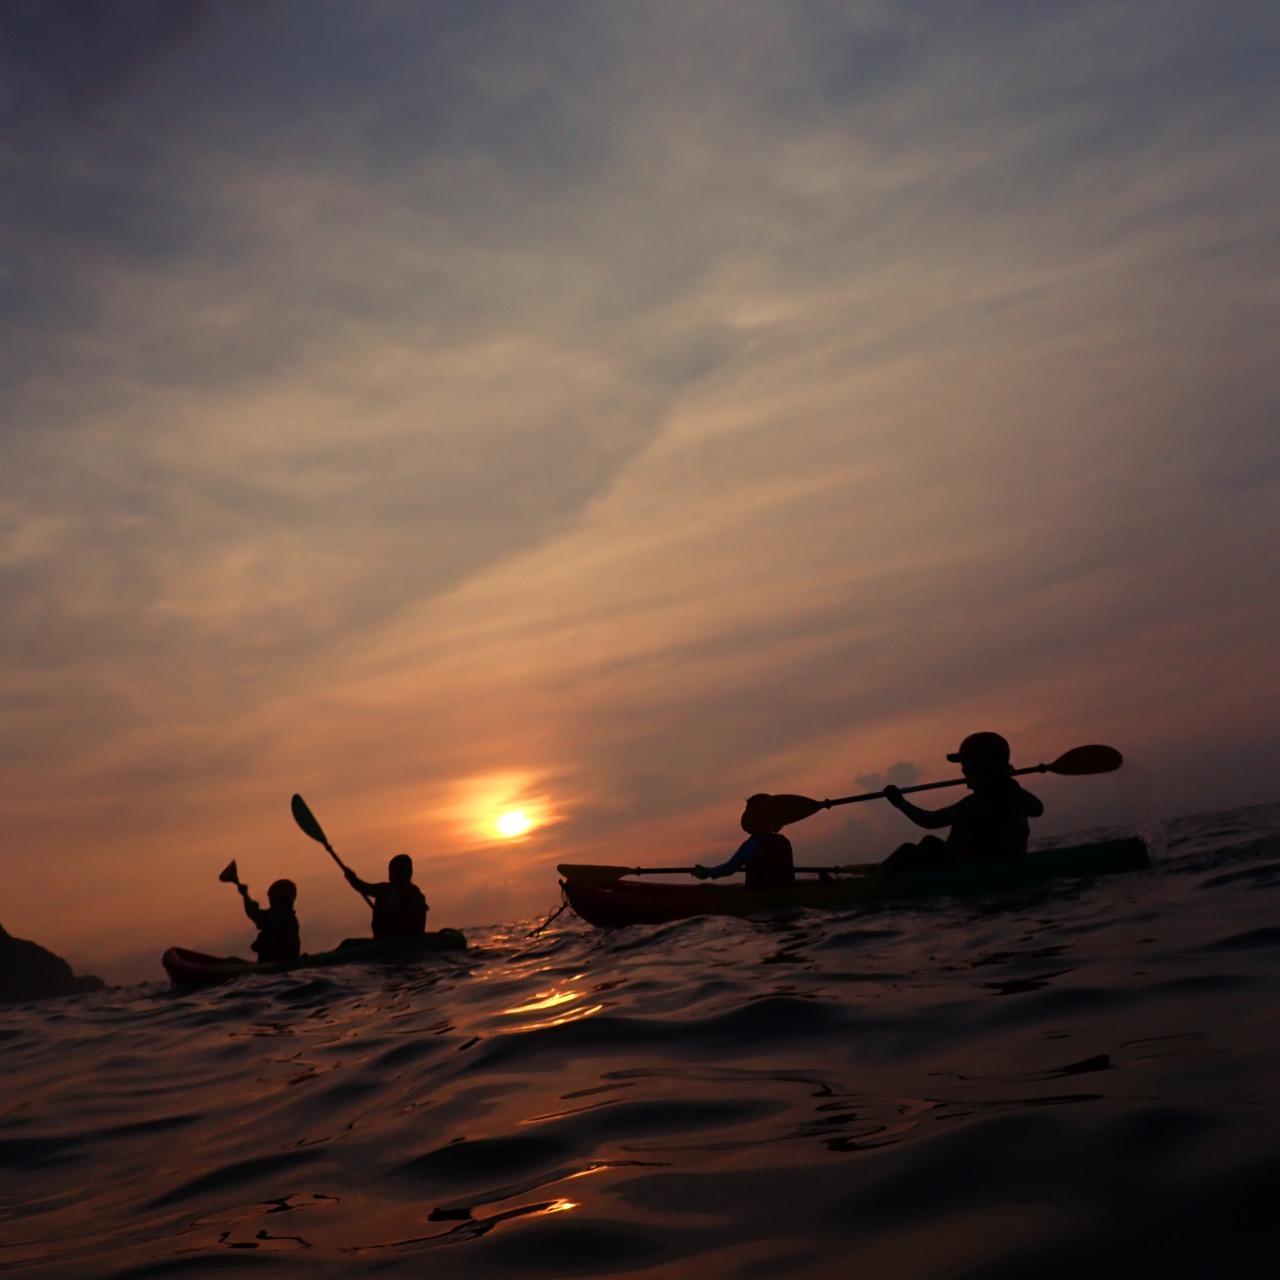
[(303, 816), (777, 811), (592, 873), (229, 875)]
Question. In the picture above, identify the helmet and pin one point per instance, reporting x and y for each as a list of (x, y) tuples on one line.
[(283, 893)]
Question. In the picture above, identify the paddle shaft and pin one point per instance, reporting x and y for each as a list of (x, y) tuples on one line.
[(772, 813), (306, 820), (328, 848), (928, 786), (619, 872)]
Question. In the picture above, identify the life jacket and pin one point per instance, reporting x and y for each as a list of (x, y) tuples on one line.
[(772, 865), (992, 823), (278, 939), (399, 910)]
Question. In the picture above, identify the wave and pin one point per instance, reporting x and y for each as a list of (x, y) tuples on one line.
[(1082, 1077)]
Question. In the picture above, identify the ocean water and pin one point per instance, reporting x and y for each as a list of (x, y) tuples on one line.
[(1082, 1080)]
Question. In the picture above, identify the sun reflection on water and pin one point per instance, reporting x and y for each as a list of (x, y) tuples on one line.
[(547, 1000), (553, 999)]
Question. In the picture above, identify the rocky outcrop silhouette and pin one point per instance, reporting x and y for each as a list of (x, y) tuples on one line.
[(29, 971)]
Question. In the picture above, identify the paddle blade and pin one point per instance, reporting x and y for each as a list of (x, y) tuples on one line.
[(768, 813), (307, 820), (229, 874), (1083, 760), (586, 873)]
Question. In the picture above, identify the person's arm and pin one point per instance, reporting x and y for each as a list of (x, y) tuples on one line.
[(251, 908), (360, 886), (736, 863), (929, 819), (1032, 805)]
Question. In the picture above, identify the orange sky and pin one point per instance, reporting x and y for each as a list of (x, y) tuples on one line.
[(443, 411)]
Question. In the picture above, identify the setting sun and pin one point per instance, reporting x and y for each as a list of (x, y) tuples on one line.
[(515, 822), (502, 806)]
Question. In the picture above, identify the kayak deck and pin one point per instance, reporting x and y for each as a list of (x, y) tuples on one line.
[(623, 902), (189, 969)]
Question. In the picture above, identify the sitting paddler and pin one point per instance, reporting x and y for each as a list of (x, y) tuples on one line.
[(765, 855), (278, 939), (990, 824), (399, 909)]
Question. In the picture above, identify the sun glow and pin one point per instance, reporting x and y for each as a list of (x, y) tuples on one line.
[(499, 808), (512, 823)]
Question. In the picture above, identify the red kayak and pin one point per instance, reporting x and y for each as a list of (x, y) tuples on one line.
[(622, 902), (190, 969)]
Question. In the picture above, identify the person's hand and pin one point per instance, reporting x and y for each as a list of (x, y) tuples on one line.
[(894, 796), (700, 873)]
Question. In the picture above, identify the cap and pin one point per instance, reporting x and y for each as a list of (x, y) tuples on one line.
[(982, 748), (757, 817)]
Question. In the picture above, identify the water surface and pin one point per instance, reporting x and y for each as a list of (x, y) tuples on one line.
[(1083, 1079)]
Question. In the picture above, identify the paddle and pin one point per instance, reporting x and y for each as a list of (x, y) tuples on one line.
[(303, 816), (593, 873), (229, 875), (781, 810)]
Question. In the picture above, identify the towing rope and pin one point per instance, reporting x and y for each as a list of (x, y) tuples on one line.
[(564, 902)]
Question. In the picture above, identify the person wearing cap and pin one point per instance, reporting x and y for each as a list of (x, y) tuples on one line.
[(991, 823), (279, 939), (399, 909), (765, 856)]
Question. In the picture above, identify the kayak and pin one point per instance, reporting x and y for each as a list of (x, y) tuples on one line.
[(622, 902), (189, 969)]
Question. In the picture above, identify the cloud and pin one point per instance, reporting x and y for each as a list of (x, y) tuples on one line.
[(903, 774), (65, 56)]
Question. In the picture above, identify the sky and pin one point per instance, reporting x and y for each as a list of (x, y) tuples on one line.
[(607, 411)]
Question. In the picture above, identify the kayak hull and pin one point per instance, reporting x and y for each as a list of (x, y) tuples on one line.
[(192, 969), (623, 902)]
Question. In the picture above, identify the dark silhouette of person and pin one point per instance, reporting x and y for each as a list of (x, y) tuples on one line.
[(990, 824), (278, 939), (399, 909), (765, 855)]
